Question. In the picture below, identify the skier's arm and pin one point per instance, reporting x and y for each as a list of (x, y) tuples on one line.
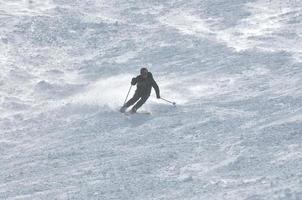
[(134, 81), (155, 86)]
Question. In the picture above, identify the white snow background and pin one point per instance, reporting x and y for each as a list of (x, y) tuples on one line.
[(234, 68)]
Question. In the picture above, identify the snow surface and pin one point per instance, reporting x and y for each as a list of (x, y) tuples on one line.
[(234, 69)]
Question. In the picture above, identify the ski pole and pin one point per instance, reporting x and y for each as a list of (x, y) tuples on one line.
[(127, 95), (168, 101)]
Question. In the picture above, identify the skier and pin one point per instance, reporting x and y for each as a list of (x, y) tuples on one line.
[(144, 83)]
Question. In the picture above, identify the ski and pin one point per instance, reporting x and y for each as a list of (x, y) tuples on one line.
[(128, 113)]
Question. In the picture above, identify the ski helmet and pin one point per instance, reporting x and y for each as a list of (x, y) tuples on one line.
[(144, 71)]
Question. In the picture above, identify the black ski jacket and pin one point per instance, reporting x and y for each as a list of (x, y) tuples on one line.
[(144, 86)]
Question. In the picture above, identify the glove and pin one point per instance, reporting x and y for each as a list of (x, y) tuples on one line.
[(133, 82)]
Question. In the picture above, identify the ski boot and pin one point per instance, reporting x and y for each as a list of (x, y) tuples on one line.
[(123, 109), (133, 111)]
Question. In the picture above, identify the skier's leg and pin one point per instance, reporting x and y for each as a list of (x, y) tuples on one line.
[(140, 102), (132, 100)]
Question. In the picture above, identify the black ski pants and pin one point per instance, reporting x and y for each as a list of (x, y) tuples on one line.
[(140, 99)]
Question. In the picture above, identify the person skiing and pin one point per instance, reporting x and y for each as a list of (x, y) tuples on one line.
[(144, 82)]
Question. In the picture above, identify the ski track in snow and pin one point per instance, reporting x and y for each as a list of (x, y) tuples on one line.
[(233, 68)]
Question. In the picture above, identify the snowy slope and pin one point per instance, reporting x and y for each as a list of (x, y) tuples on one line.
[(233, 67)]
